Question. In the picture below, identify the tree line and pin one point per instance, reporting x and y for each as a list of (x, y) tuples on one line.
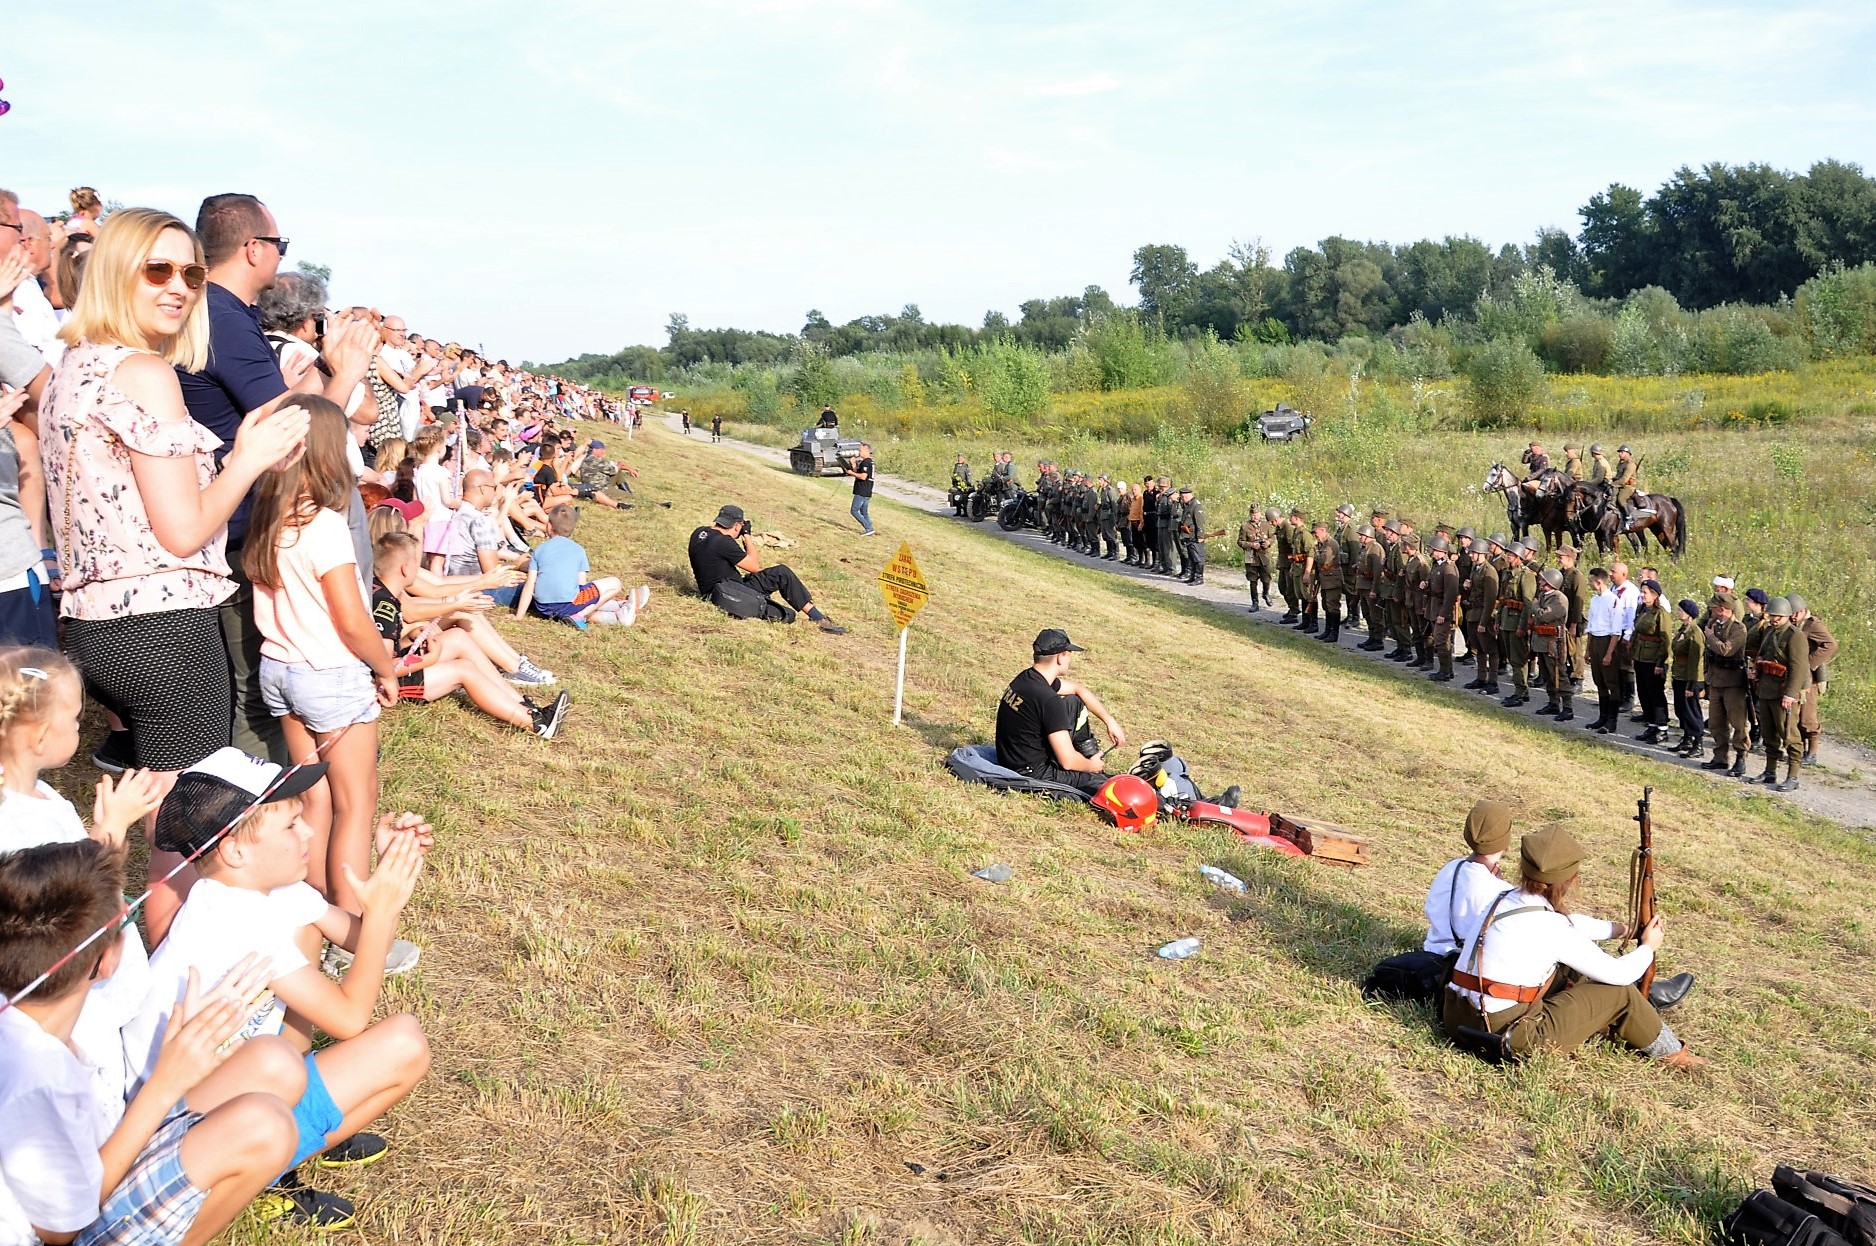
[(1709, 238)]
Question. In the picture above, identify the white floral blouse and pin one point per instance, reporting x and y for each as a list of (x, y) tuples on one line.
[(109, 557)]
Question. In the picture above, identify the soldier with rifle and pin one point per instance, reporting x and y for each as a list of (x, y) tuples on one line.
[(1255, 539), (1530, 978)]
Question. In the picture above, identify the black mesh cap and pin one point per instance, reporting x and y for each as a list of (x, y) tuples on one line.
[(215, 792)]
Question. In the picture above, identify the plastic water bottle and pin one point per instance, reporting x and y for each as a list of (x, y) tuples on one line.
[(1230, 882), (1179, 949), (995, 873)]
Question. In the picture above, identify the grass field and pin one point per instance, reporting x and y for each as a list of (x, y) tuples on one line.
[(710, 967), (1791, 508)]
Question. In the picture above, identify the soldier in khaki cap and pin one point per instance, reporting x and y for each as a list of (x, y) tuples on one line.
[(1506, 980)]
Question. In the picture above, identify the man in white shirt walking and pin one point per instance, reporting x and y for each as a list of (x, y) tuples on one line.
[(1628, 599)]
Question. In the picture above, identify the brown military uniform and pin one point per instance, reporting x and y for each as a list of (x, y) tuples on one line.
[(1255, 538), (1481, 614), (1823, 647), (1368, 579), (1550, 639), (1516, 592), (1577, 591), (1443, 605), (1726, 692), (1323, 576), (1783, 671), (1418, 568)]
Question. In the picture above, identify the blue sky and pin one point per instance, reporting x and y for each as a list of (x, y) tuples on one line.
[(555, 178)]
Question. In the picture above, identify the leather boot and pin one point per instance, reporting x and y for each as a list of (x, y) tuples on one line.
[(1738, 768), (1810, 751), (1550, 707), (1569, 710), (1333, 632), (1289, 615), (1718, 762), (1769, 775), (1312, 623)]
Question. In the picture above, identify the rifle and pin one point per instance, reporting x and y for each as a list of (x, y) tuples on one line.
[(1641, 879)]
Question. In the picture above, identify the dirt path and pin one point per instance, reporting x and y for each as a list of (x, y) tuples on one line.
[(1841, 788)]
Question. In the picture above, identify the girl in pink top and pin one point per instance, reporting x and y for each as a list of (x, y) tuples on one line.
[(324, 671)]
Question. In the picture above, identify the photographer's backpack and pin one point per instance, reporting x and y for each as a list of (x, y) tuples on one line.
[(739, 601), (1804, 1209)]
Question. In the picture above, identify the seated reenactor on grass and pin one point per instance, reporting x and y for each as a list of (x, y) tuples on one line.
[(1466, 886), (1532, 975), (724, 552), (1042, 722)]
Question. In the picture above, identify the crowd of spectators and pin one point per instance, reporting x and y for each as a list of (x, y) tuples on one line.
[(244, 524)]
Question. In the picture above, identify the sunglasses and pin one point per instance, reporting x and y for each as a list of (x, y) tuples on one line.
[(279, 243), (159, 273)]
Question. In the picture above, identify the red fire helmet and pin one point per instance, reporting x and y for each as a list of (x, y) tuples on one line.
[(1129, 802)]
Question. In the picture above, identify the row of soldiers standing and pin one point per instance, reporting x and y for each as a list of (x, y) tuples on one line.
[(1159, 528)]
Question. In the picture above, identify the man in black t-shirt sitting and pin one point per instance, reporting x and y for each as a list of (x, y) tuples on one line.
[(1037, 720), (725, 551)]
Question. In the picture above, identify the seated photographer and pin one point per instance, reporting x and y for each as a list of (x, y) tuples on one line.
[(724, 551), (1041, 727)]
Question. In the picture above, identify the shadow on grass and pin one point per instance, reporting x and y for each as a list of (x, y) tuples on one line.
[(943, 736)]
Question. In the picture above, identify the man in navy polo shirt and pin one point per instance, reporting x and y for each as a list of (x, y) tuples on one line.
[(243, 379)]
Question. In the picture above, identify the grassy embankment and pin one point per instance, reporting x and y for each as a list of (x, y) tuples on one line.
[(711, 968), (1790, 504)]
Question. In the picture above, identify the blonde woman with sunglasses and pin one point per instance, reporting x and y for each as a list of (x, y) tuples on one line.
[(138, 511)]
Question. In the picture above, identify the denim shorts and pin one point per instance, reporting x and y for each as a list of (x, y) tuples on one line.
[(324, 700)]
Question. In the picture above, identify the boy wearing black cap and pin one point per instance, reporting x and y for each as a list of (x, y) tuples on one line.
[(242, 816), (1037, 719), (723, 552)]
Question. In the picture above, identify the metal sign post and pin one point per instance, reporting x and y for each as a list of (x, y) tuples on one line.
[(903, 587)]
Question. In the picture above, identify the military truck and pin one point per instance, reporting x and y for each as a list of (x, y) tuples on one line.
[(823, 452)]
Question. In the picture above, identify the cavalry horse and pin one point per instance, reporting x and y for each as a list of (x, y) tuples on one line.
[(1544, 510), (1592, 508)]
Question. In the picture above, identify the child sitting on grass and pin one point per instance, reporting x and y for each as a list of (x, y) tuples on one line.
[(179, 1161), (251, 897), (558, 586), (446, 660)]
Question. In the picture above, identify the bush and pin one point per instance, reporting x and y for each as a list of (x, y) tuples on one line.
[(813, 381), (1504, 383), (1579, 344), (1837, 312), (1740, 340), (1214, 387), (1013, 380), (760, 392), (1128, 353)]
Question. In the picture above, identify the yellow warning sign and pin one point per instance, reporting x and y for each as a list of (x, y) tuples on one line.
[(903, 587)]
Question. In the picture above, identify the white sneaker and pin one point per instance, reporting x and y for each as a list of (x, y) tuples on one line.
[(402, 958), (641, 597)]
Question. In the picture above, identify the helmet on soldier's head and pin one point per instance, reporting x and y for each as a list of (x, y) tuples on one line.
[(1497, 538), (1797, 603), (1439, 544), (1345, 509), (1390, 526), (1273, 514), (1467, 534), (1552, 578), (1364, 532), (1623, 450), (1129, 802), (1595, 447)]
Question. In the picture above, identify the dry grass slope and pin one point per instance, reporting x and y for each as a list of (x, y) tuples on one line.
[(711, 967)]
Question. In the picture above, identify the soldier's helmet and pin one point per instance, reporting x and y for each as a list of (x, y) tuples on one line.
[(1797, 603), (1468, 534), (1391, 526), (1595, 447), (1439, 544), (1779, 607), (1552, 578), (1498, 539)]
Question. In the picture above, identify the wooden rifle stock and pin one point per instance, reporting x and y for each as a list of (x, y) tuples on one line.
[(1642, 879)]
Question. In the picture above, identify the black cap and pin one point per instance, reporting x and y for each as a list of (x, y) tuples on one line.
[(1053, 640), (213, 794), (730, 514)]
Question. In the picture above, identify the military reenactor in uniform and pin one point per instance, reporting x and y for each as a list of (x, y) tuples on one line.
[(1783, 672), (1104, 513), (1300, 543), (1576, 590), (1726, 687), (1045, 497), (1393, 590), (1550, 636), (1322, 582), (960, 482), (1003, 474), (1149, 524), (1823, 647), (1255, 539), (1482, 620), (1192, 535), (1090, 517), (1754, 601), (1572, 464), (1685, 652), (1371, 577), (1419, 571), (1443, 606), (1168, 525), (1286, 546), (1599, 471), (1628, 485), (1516, 593), (1351, 554)]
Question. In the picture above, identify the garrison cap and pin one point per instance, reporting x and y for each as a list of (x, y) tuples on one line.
[(1717, 602), (1797, 603), (1443, 526), (1550, 854), (1411, 540), (1779, 607), (1569, 551), (1296, 512), (1185, 488), (1321, 525), (1488, 827), (1552, 577)]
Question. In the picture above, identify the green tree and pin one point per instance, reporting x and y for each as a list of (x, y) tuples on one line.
[(1620, 250), (1166, 279), (1729, 234), (813, 381), (1012, 379), (1214, 387), (1504, 382), (1129, 353), (1837, 310)]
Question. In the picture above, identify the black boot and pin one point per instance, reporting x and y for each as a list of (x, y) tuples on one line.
[(1550, 708), (1738, 769), (1312, 624), (1569, 712), (1333, 632), (1718, 762)]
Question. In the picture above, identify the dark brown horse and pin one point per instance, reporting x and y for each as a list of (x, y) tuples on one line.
[(1592, 508), (1545, 509)]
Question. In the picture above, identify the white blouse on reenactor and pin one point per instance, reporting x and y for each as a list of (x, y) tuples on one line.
[(1456, 903), (1524, 949)]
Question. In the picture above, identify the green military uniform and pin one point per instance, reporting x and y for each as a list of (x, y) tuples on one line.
[(1104, 519), (1549, 627), (1443, 606), (1255, 538), (1418, 570), (1168, 531), (1323, 573), (1369, 577), (1783, 662), (1291, 607), (1350, 543), (1685, 652), (1394, 593), (1192, 536), (1725, 643), (1517, 592), (1599, 473), (1576, 590), (1823, 647), (1482, 620), (1300, 543)]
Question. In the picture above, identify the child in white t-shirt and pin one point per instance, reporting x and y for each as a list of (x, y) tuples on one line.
[(251, 899), (208, 1130), (324, 673), (40, 699), (436, 491)]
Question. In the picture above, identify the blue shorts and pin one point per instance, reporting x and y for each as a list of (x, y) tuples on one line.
[(323, 700), (156, 1202), (315, 1114), (585, 597), (504, 596)]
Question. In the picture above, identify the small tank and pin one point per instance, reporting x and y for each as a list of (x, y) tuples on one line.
[(823, 452), (1284, 423)]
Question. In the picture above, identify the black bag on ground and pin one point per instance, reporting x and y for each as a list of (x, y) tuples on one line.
[(1845, 1206), (739, 601), (1411, 975), (1765, 1219)]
